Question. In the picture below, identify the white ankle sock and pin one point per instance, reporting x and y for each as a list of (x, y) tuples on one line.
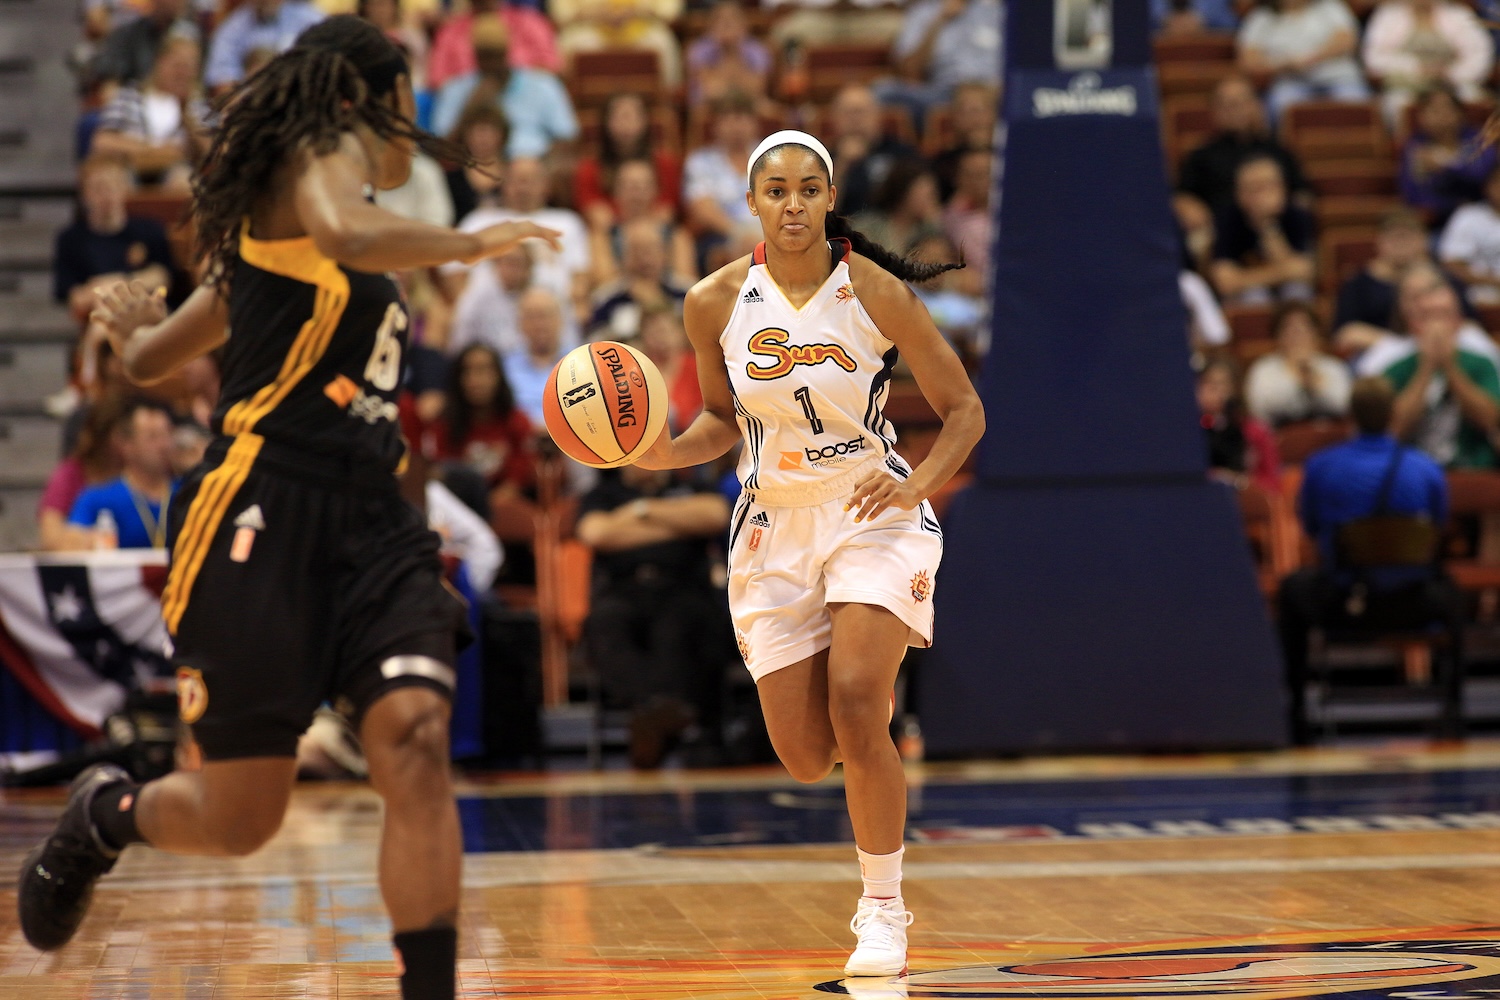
[(881, 874)]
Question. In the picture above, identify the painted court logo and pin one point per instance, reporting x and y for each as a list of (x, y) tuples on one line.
[(1353, 970)]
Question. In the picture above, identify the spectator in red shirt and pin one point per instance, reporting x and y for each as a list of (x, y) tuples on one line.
[(1241, 450), (533, 41), (482, 427), (626, 135)]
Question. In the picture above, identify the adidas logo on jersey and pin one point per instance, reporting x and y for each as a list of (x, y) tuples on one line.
[(753, 295), (252, 518), (761, 520)]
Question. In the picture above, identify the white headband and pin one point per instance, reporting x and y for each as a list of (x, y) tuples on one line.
[(793, 137)]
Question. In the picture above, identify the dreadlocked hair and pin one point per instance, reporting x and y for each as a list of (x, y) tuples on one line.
[(337, 76), (835, 226)]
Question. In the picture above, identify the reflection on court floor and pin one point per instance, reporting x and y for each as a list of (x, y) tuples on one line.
[(1361, 874)]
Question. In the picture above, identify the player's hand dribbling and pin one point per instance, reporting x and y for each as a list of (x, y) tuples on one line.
[(879, 491), (495, 240), (125, 307)]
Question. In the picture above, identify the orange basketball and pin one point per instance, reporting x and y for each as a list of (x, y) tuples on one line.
[(605, 404)]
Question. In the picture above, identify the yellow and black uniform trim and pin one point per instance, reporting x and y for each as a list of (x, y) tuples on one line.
[(300, 260), (202, 522)]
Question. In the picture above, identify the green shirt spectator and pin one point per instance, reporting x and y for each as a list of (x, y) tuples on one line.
[(1442, 431)]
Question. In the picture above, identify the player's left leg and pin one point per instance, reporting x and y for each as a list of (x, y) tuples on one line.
[(868, 645), (405, 737)]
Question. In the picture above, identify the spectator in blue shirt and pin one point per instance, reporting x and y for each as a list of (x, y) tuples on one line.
[(272, 25), (1187, 16), (1343, 484), (943, 43), (137, 500), (535, 103)]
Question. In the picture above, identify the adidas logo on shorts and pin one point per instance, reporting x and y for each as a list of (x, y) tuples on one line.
[(251, 518), (753, 295), (761, 520)]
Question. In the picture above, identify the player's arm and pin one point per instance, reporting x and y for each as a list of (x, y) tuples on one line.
[(940, 375), (620, 529), (153, 345), (715, 431), (698, 515), (331, 205)]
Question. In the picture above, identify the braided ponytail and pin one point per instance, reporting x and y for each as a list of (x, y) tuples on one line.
[(905, 268), (336, 77)]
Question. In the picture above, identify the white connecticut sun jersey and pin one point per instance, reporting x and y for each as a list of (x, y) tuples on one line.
[(809, 386)]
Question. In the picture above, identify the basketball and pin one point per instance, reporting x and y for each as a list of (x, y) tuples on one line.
[(605, 403)]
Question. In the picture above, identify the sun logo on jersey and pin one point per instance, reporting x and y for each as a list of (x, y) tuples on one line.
[(921, 586), (845, 292), (772, 344)]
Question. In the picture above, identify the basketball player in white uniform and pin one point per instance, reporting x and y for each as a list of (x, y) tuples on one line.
[(834, 550)]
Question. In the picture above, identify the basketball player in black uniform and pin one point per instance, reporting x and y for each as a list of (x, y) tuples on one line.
[(298, 573)]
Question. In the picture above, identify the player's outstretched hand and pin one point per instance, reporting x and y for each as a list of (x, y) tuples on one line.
[(495, 240), (878, 491), (124, 307)]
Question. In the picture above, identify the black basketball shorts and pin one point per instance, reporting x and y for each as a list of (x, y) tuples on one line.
[(297, 580)]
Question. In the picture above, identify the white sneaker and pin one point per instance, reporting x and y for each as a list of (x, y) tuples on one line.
[(880, 926)]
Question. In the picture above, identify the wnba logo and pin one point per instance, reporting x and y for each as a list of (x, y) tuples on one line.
[(1367, 970)]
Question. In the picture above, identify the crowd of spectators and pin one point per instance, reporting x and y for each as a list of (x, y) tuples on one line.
[(1247, 202), (644, 180)]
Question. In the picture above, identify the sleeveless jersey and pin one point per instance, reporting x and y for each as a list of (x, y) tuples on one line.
[(314, 355), (809, 385)]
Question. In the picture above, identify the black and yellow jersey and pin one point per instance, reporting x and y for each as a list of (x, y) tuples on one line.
[(315, 353)]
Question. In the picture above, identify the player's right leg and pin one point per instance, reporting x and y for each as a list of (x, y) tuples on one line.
[(794, 701)]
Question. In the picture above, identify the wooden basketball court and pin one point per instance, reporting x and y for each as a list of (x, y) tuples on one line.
[(1363, 873)]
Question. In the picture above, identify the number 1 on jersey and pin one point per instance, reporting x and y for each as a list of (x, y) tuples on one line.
[(804, 396)]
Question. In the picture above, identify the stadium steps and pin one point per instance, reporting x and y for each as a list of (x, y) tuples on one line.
[(39, 109), (36, 340)]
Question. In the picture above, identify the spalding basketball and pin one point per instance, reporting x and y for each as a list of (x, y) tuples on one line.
[(605, 404)]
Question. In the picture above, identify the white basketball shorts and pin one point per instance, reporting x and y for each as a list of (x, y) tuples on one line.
[(787, 564)]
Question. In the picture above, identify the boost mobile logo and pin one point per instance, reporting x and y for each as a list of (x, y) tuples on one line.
[(836, 451)]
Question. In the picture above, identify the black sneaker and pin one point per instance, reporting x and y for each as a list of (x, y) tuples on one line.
[(57, 879)]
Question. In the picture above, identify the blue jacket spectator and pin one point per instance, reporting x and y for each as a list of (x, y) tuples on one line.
[(1342, 484), (536, 104), (137, 500), (272, 25), (1212, 15)]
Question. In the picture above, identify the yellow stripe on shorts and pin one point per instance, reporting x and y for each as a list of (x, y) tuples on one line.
[(200, 526)]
